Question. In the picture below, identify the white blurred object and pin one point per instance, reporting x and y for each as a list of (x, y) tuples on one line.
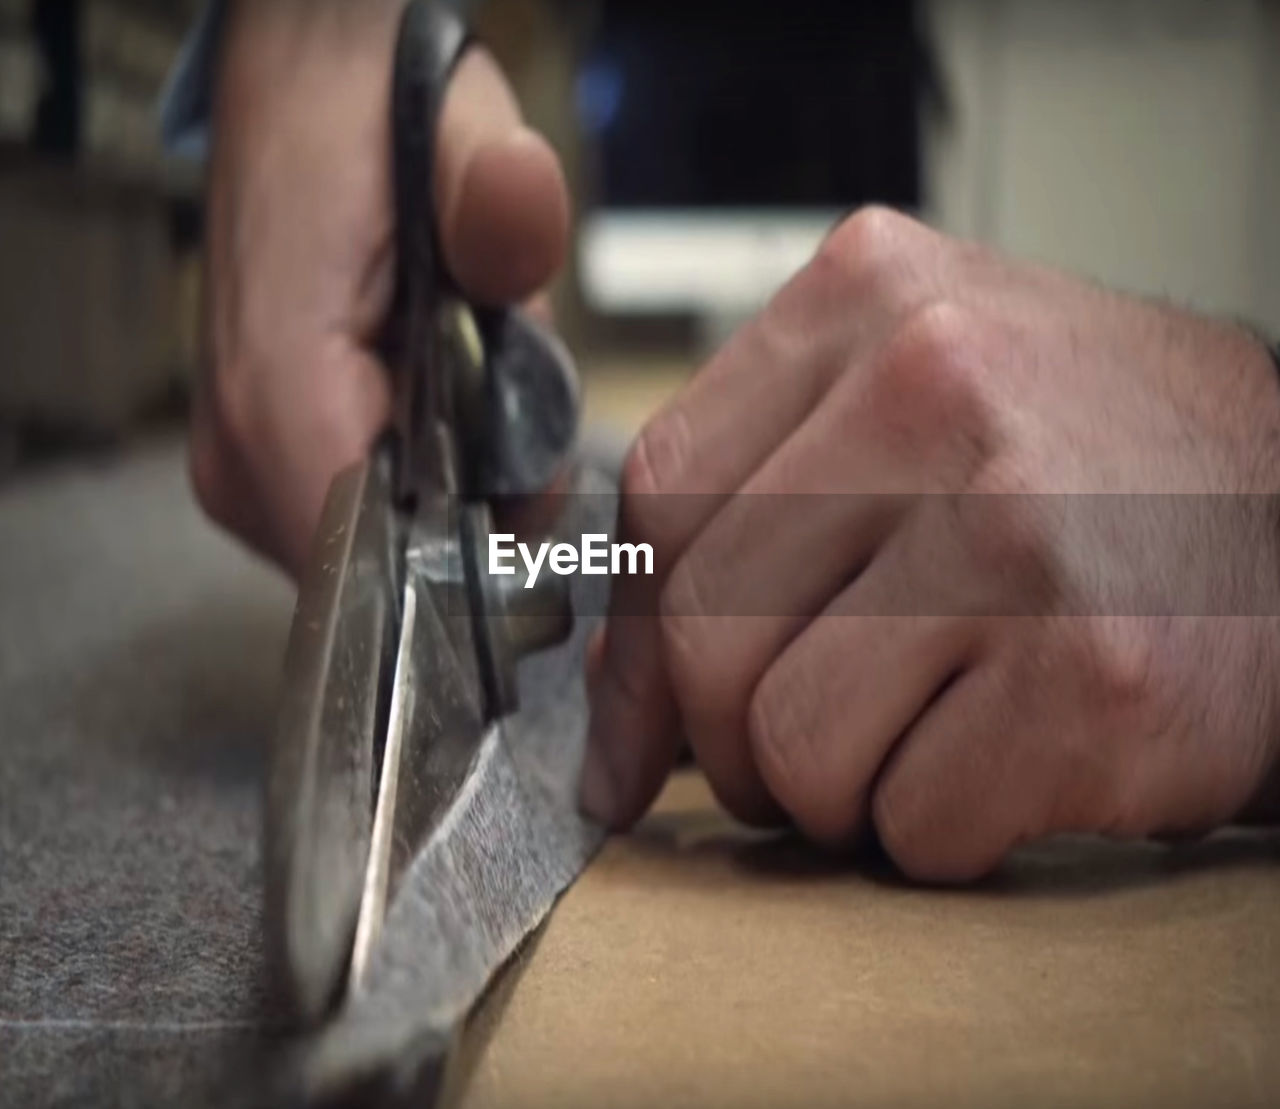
[(718, 264)]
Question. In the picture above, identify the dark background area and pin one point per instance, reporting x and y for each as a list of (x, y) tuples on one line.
[(755, 104)]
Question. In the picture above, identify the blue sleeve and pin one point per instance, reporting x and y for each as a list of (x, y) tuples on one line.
[(187, 100)]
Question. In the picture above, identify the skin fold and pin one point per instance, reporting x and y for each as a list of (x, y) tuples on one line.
[(951, 548)]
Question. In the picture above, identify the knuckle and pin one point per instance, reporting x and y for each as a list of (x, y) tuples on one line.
[(1119, 657), (930, 354), (1011, 536), (864, 254), (696, 663), (929, 385), (782, 335), (868, 241), (638, 477), (681, 596), (1093, 756), (659, 460), (207, 470), (901, 832), (783, 733), (228, 405), (222, 444), (776, 728), (909, 840), (654, 511), (934, 837)]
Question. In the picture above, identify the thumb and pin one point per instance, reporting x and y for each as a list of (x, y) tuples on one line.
[(502, 201)]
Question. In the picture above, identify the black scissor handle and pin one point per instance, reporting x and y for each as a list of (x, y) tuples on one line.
[(516, 434), (431, 43)]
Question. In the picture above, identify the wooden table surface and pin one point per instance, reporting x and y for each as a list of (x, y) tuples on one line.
[(698, 964)]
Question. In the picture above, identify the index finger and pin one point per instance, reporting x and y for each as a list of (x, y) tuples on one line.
[(675, 480)]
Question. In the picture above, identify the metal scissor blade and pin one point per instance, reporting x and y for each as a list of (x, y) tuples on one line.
[(377, 878), (333, 713), (436, 722), (501, 846)]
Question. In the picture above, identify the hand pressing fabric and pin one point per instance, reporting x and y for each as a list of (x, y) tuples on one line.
[(958, 549)]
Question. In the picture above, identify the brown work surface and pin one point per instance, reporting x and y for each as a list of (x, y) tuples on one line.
[(699, 964)]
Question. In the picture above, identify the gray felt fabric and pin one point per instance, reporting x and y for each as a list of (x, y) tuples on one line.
[(139, 655)]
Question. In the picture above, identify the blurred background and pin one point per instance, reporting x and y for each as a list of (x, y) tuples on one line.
[(710, 145)]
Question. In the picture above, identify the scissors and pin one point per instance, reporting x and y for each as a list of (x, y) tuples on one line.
[(387, 905)]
